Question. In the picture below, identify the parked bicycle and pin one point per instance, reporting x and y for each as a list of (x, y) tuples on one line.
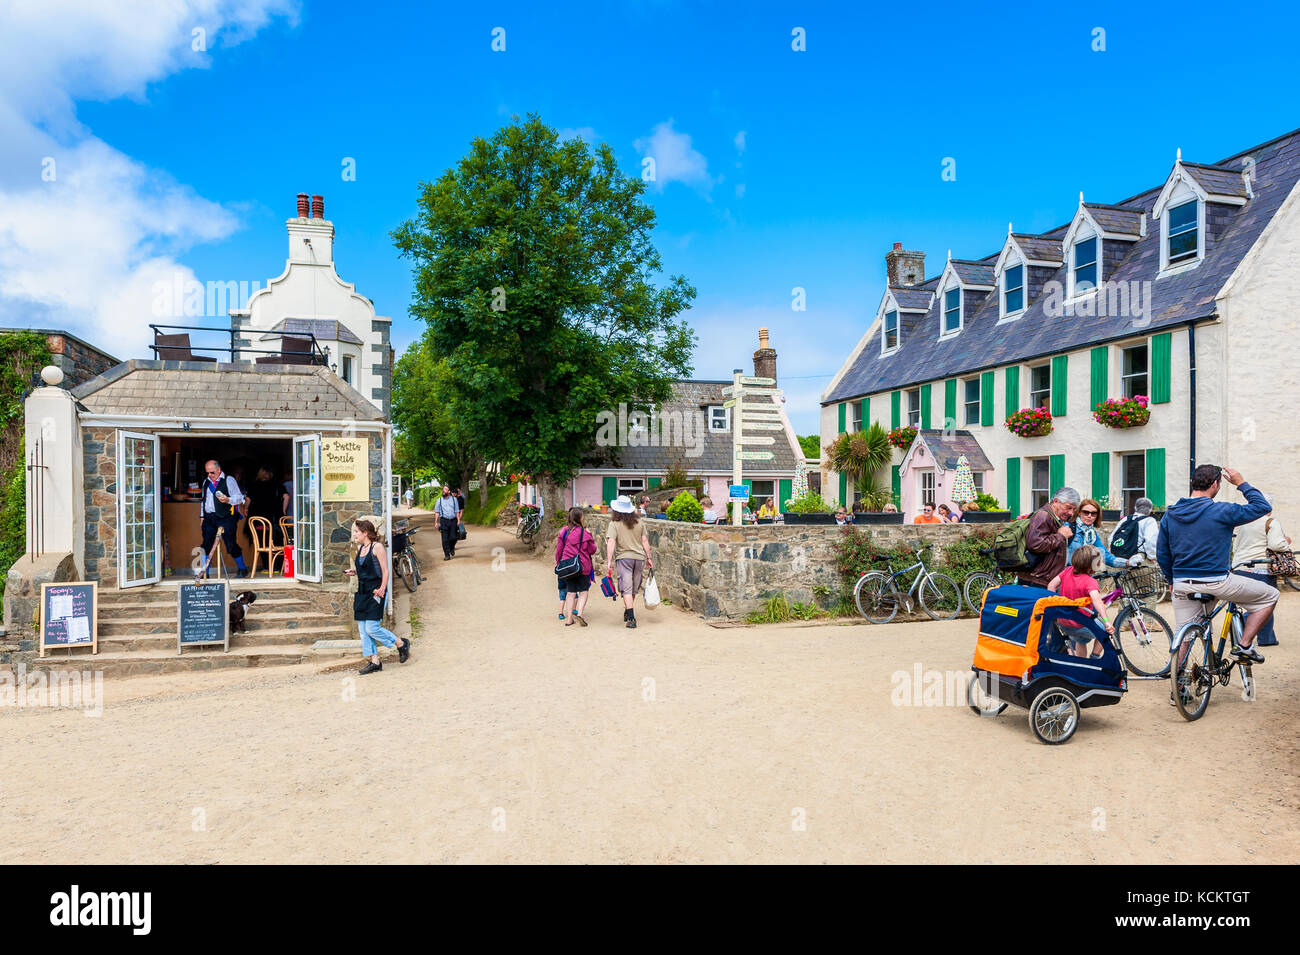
[(1142, 636), (1196, 664), (405, 562), (981, 580), (529, 524), (878, 598)]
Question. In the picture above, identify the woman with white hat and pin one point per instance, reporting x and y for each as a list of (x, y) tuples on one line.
[(627, 552), (1253, 541)]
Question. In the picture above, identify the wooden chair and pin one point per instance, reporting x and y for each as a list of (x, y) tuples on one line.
[(286, 530), (176, 348), (293, 351), (260, 529)]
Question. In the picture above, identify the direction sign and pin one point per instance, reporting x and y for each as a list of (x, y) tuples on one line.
[(756, 381), (757, 440), (753, 392), (729, 403), (752, 425), (755, 455)]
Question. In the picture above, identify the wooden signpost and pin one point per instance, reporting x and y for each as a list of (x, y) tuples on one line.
[(69, 616), (203, 616), (756, 455)]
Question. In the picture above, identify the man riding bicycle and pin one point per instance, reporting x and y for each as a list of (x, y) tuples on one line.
[(1193, 551)]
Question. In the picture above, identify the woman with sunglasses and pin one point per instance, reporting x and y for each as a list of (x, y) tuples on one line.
[(1087, 533)]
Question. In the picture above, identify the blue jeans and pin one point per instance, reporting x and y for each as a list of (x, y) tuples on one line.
[(372, 631)]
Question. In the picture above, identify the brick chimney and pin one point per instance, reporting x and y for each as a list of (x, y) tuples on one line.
[(318, 207), (764, 358), (304, 210), (904, 268)]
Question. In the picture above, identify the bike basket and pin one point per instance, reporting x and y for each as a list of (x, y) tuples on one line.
[(1146, 581), (399, 543)]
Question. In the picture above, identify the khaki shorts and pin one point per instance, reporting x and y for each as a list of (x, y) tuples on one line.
[(1248, 594), (629, 574)]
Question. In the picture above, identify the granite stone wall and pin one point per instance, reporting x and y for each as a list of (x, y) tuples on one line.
[(78, 361), (725, 571)]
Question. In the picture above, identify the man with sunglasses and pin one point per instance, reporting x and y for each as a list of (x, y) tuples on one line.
[(221, 498), (927, 515)]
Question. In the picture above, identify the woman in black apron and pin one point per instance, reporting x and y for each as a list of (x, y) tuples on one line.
[(368, 602)]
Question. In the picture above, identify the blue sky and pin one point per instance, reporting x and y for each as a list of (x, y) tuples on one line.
[(777, 169)]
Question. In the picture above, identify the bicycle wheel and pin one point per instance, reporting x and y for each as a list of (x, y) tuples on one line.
[(1143, 639), (940, 597), (1191, 680), (876, 597), (1292, 582), (983, 695), (419, 574), (406, 571), (976, 584)]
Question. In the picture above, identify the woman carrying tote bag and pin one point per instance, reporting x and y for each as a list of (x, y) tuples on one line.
[(573, 550)]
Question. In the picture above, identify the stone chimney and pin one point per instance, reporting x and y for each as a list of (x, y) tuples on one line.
[(904, 268), (764, 358), (318, 207), (311, 235)]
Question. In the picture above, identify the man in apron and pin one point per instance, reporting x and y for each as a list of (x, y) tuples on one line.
[(221, 497)]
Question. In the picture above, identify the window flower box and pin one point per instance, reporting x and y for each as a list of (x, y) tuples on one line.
[(1030, 422), (902, 438), (1123, 412)]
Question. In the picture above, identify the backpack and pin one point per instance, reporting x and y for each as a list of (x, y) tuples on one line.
[(1128, 536), (1009, 546)]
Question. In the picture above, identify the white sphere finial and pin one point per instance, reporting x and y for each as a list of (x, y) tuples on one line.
[(52, 375)]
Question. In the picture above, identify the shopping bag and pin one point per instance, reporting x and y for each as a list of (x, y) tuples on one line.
[(651, 590)]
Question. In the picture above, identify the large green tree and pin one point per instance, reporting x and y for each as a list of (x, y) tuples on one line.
[(535, 271), (431, 436)]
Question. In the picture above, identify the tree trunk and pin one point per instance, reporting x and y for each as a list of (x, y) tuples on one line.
[(483, 485), (552, 496)]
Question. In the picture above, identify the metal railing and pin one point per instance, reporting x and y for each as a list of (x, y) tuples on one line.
[(234, 351), (36, 468)]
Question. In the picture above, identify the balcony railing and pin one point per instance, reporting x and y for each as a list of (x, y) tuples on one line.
[(174, 343)]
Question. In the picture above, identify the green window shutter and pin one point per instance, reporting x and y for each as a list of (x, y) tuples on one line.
[(896, 485), (1059, 372), (866, 413), (843, 410), (1162, 347), (608, 489), (895, 408), (862, 415), (1013, 487), (784, 494), (950, 401), (1100, 474), (925, 406), (1055, 473), (986, 399), (1013, 390), (1156, 476), (844, 489), (655, 482), (1100, 368)]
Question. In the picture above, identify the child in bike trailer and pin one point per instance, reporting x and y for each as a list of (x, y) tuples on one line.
[(1075, 582)]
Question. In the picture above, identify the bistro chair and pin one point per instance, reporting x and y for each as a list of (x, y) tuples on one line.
[(176, 348), (286, 530), (260, 529), (293, 351)]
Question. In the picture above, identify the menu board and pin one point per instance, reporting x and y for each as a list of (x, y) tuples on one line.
[(69, 616), (203, 615)]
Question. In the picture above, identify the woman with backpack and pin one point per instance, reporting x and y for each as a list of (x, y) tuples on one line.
[(573, 550), (1087, 533)]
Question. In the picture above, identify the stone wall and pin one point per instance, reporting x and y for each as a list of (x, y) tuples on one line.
[(725, 571), (78, 361)]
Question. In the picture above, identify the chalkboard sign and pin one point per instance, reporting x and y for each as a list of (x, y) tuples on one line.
[(203, 616), (69, 616)]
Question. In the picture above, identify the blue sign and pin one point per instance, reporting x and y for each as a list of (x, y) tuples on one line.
[(738, 492)]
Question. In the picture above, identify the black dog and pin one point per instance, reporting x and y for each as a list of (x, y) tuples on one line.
[(237, 611)]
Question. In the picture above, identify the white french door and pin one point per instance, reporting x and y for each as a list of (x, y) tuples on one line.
[(138, 512), (306, 508)]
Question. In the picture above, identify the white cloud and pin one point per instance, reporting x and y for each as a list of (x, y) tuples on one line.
[(740, 141), (585, 133), (676, 160), (83, 250), (740, 190)]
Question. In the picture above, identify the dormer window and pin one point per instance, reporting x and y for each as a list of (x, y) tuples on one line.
[(1182, 235), (1084, 268), (952, 311), (889, 341), (1013, 290)]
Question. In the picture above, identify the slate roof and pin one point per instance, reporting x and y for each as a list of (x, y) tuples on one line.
[(1174, 299), (910, 297), (974, 273), (1115, 218), (945, 449), (324, 329), (223, 390), (1036, 247), (691, 397), (1217, 180)]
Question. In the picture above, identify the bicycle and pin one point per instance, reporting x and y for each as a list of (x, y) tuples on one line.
[(981, 580), (529, 525), (405, 562), (1202, 663), (877, 596), (1142, 636)]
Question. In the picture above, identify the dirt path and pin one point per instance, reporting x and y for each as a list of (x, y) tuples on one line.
[(509, 738)]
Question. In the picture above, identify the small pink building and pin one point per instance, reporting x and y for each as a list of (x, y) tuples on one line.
[(930, 466)]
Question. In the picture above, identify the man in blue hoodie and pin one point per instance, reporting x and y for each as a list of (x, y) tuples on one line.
[(1193, 551)]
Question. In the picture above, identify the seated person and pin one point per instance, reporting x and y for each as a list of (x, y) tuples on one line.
[(1074, 582), (927, 515), (890, 509), (766, 510), (710, 515), (945, 515), (842, 516)]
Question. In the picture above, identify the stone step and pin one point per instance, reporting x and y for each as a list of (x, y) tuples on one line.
[(163, 608), (276, 637), (132, 626), (151, 662)]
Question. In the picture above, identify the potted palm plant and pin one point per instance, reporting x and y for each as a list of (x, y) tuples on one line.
[(862, 455)]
